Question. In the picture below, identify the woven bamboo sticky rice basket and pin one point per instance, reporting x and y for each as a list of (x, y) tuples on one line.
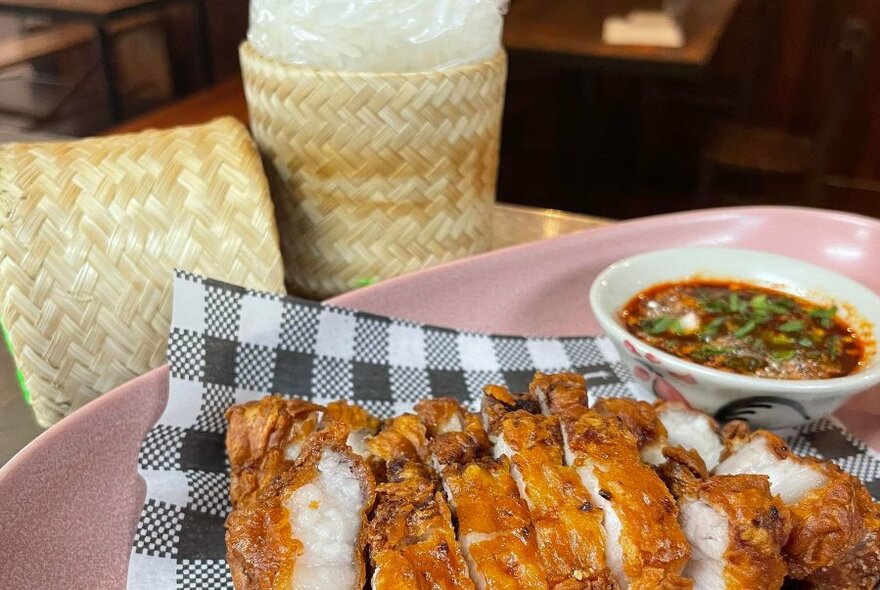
[(375, 175), (90, 232)]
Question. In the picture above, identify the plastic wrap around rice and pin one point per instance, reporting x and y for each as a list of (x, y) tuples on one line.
[(377, 35)]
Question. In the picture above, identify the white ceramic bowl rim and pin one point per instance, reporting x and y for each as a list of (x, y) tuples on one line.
[(608, 319)]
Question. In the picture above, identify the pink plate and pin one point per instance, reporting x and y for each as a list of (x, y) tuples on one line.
[(70, 500)]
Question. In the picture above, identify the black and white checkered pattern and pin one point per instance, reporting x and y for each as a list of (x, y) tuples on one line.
[(229, 345)]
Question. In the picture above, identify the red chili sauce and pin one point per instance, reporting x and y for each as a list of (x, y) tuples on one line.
[(745, 329)]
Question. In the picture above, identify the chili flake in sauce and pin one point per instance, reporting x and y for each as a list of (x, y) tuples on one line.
[(744, 329)]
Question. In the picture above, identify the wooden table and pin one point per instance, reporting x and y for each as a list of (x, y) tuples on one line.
[(572, 30), (99, 14), (511, 225)]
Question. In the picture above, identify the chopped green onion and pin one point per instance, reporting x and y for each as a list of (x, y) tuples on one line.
[(825, 315), (746, 328), (716, 306), (806, 342), (792, 326), (824, 312), (735, 304), (759, 302), (783, 355), (658, 325), (780, 340), (777, 309), (707, 351), (712, 328)]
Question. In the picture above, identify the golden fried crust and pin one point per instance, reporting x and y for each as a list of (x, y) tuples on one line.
[(439, 414), (828, 524), (565, 393), (354, 417), (498, 402), (682, 470), (661, 579), (461, 447), (734, 434), (640, 417), (860, 568), (509, 561), (485, 497), (259, 432), (413, 547), (261, 550), (759, 526), (494, 523), (403, 437), (569, 527), (651, 537)]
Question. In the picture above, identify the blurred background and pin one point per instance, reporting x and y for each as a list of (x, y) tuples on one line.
[(767, 101)]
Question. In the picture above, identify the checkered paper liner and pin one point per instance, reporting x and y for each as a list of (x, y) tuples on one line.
[(230, 345)]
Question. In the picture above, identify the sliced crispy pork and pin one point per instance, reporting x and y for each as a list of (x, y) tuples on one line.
[(361, 424), (569, 526), (457, 437), (691, 430), (412, 542), (498, 402), (306, 529), (645, 546), (403, 437), (495, 532), (666, 424), (735, 526), (835, 525), (263, 438), (494, 528), (859, 569), (642, 421)]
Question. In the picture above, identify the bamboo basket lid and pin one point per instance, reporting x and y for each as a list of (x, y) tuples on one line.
[(90, 232)]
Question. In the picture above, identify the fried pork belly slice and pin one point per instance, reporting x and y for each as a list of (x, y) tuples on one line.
[(860, 568), (361, 424), (644, 544), (307, 529), (411, 539), (735, 526), (440, 415), (830, 524), (692, 430), (263, 438), (494, 528), (456, 436), (569, 393), (498, 402), (403, 437), (642, 421), (569, 529)]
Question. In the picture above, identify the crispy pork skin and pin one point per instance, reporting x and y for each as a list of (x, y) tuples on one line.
[(305, 530), (264, 438), (645, 546), (830, 520), (494, 529), (412, 542), (691, 430), (642, 421), (735, 526), (569, 529)]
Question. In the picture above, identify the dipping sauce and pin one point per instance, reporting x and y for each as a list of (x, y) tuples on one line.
[(744, 329)]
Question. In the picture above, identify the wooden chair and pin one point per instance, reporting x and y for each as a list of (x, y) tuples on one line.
[(768, 151)]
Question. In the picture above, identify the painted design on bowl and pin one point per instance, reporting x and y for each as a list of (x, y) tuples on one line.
[(743, 409)]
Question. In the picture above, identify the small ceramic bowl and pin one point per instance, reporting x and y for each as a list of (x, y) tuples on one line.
[(765, 403)]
